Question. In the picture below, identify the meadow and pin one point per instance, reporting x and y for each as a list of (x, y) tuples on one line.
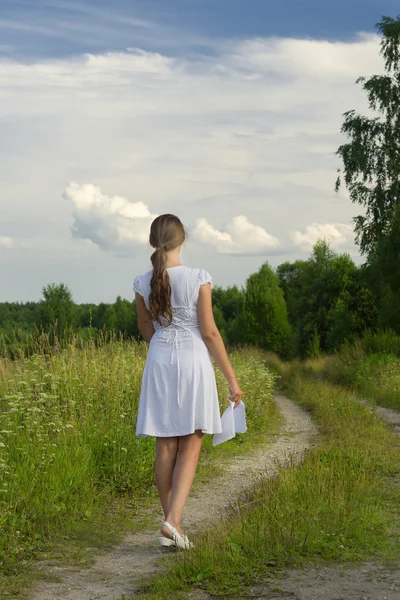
[(73, 474), (71, 467)]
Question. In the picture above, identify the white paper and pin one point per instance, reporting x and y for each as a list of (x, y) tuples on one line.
[(233, 421)]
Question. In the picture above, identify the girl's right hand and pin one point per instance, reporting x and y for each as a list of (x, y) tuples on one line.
[(235, 393)]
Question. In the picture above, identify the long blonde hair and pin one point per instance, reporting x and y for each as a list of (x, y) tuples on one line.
[(166, 233)]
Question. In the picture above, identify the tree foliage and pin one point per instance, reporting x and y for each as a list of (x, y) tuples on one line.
[(58, 308), (328, 300), (371, 159), (265, 318)]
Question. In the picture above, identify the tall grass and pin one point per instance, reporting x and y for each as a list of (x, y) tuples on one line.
[(369, 366), (67, 437), (20, 343), (341, 504), (386, 342)]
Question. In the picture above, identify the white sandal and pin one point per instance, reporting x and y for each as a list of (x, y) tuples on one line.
[(177, 540), (189, 544)]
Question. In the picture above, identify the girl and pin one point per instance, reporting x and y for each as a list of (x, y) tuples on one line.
[(178, 399)]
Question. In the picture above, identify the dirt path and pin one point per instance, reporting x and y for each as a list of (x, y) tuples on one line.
[(120, 569), (391, 418)]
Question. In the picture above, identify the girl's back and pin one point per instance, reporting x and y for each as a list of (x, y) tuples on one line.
[(185, 285)]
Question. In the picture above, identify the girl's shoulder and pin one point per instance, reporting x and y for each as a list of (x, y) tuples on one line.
[(141, 281), (203, 276), (200, 276), (196, 275)]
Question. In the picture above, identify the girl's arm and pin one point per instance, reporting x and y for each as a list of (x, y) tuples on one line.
[(214, 341), (144, 319)]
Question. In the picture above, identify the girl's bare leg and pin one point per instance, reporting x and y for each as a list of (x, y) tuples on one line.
[(189, 447), (166, 454)]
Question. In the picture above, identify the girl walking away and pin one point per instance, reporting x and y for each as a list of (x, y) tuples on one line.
[(178, 399)]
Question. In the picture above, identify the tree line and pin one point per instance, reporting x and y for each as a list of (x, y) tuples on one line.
[(300, 308)]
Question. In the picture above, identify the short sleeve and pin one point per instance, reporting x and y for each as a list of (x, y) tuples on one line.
[(137, 285), (204, 277)]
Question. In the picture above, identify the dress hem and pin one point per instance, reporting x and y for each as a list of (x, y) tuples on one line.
[(178, 434)]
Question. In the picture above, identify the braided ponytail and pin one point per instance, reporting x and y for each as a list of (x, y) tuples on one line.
[(166, 233)]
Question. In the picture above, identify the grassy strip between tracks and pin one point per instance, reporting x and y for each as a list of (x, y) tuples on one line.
[(73, 475), (341, 504)]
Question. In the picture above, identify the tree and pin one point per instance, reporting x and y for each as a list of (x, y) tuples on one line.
[(291, 276), (384, 271), (265, 316), (371, 159), (353, 313), (328, 300), (228, 308), (58, 308), (388, 253)]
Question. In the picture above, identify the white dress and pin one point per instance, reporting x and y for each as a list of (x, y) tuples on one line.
[(179, 392)]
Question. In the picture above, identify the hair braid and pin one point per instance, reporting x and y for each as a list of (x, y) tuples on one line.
[(167, 233)]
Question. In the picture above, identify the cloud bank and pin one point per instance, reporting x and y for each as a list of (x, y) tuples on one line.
[(249, 128), (239, 236), (112, 223), (338, 234)]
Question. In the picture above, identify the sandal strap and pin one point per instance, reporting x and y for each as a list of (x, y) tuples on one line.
[(173, 529), (180, 540)]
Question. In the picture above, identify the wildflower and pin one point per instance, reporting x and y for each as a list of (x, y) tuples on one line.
[(69, 426)]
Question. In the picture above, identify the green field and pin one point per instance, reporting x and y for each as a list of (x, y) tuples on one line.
[(72, 470)]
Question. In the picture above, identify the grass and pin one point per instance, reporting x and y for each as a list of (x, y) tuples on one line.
[(372, 375), (341, 504), (73, 474)]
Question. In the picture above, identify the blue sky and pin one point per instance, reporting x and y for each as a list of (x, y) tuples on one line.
[(227, 113), (40, 28)]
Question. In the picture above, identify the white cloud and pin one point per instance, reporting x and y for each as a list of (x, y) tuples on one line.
[(238, 237), (338, 234), (6, 242), (112, 223), (251, 127)]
